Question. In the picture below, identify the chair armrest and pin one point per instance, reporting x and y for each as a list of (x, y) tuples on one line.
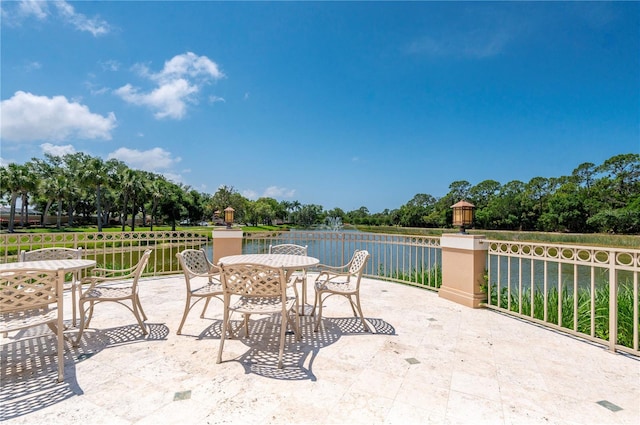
[(104, 272), (333, 269), (210, 276), (328, 275)]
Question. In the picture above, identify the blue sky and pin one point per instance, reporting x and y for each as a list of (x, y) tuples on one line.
[(341, 104)]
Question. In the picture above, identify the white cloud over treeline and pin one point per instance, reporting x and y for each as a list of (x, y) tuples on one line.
[(153, 160)]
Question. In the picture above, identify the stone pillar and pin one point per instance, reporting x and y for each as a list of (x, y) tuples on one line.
[(464, 260), (226, 242)]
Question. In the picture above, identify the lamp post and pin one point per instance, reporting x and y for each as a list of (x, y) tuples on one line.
[(463, 214), (228, 216)]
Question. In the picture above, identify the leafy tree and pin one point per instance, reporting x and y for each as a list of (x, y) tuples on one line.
[(622, 178), (481, 195), (309, 215), (506, 209)]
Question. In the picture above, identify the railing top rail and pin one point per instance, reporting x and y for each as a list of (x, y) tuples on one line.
[(559, 246)]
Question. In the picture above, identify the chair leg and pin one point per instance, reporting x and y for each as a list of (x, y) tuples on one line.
[(283, 332), (206, 304), (364, 324), (185, 314), (319, 316), (136, 313), (60, 338), (298, 329), (90, 314), (351, 303), (304, 293), (74, 302), (246, 325), (144, 316), (82, 325), (225, 324), (315, 302)]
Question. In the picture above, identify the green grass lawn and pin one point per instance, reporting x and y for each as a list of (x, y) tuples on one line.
[(595, 239)]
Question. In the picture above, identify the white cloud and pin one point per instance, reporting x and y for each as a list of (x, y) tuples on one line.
[(41, 11), (153, 160), (188, 65), (57, 150), (32, 66), (95, 26), (26, 117), (110, 65), (270, 192), (170, 100), (473, 45), (173, 177), (37, 9), (278, 192), (178, 84), (250, 194)]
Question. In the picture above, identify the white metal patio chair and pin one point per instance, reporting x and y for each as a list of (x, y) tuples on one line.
[(298, 276), (114, 285), (60, 253), (343, 280), (32, 297), (202, 279), (259, 289)]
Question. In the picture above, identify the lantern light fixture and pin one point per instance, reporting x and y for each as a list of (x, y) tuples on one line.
[(228, 216), (463, 215)]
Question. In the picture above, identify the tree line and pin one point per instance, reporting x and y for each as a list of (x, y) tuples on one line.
[(90, 190)]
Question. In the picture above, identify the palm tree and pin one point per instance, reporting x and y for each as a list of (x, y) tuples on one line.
[(13, 182), (95, 175), (53, 188), (30, 187), (157, 188), (74, 165), (132, 186)]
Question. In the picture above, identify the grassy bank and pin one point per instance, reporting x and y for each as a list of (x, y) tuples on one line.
[(595, 239)]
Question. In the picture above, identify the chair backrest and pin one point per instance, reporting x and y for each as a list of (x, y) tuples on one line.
[(288, 248), (142, 264), (56, 253), (194, 261), (29, 289), (358, 261), (253, 280)]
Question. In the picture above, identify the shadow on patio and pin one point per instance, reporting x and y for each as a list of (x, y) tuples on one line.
[(428, 361)]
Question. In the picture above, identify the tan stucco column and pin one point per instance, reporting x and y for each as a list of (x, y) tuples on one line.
[(226, 242), (464, 260)]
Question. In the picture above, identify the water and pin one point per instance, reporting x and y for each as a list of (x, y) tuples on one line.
[(389, 253)]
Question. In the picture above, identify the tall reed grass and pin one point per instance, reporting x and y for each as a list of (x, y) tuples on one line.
[(565, 315), (429, 278)]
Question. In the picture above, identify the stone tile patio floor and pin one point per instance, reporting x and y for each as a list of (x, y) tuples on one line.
[(428, 361)]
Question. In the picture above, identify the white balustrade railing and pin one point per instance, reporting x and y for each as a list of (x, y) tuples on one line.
[(590, 292), (110, 249), (587, 291), (414, 260)]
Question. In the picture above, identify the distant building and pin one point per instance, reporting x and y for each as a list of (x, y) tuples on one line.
[(33, 215)]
